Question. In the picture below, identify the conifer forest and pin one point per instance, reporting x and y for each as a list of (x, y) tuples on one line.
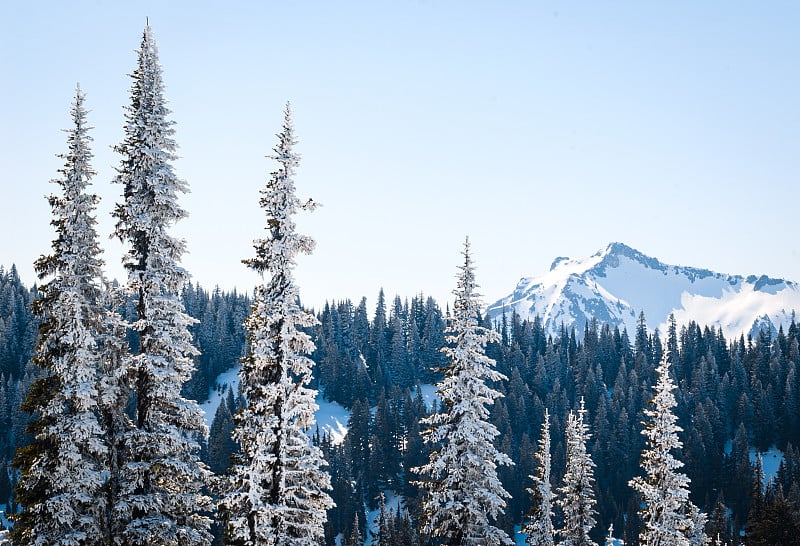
[(461, 430)]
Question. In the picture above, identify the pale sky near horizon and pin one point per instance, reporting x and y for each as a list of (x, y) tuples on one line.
[(538, 129)]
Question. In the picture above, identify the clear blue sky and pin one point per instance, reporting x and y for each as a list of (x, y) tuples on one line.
[(538, 129)]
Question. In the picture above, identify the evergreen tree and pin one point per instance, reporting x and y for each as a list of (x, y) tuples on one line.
[(666, 518), (18, 327), (378, 344), (381, 537), (403, 530), (62, 479), (461, 489), (719, 525), (540, 526), (161, 499), (355, 538), (780, 522), (757, 505), (358, 438), (220, 444), (5, 483), (576, 496), (277, 491)]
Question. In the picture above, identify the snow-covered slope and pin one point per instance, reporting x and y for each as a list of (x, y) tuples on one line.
[(331, 417), (618, 282)]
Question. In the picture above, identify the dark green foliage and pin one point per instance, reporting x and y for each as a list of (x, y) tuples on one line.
[(219, 336), (18, 334), (341, 516), (733, 397), (220, 444), (719, 522), (357, 358), (5, 483), (355, 537), (18, 327), (34, 493), (775, 522)]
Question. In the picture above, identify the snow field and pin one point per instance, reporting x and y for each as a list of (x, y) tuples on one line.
[(771, 460), (220, 391)]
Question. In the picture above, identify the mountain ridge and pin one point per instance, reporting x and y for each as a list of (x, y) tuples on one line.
[(618, 282)]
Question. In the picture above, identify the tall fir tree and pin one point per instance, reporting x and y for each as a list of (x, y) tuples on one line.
[(539, 528), (576, 495), (162, 480), (62, 470), (667, 515), (462, 493), (278, 488)]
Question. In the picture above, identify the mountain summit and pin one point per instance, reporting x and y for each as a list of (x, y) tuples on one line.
[(618, 282)]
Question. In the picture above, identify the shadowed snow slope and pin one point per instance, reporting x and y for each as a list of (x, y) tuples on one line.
[(618, 282), (331, 417)]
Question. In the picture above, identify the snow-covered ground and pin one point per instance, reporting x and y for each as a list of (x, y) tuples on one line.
[(6, 524), (331, 417), (519, 536), (770, 462), (392, 502), (229, 378), (428, 395)]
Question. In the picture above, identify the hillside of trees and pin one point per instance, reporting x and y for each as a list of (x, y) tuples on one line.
[(734, 397)]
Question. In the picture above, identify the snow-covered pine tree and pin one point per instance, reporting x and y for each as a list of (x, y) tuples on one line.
[(610, 540), (539, 527), (161, 498), (62, 478), (666, 518), (277, 492), (381, 536), (460, 488), (576, 495)]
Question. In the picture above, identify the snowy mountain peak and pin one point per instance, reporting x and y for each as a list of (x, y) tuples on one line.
[(558, 261), (618, 282), (614, 251), (609, 258)]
